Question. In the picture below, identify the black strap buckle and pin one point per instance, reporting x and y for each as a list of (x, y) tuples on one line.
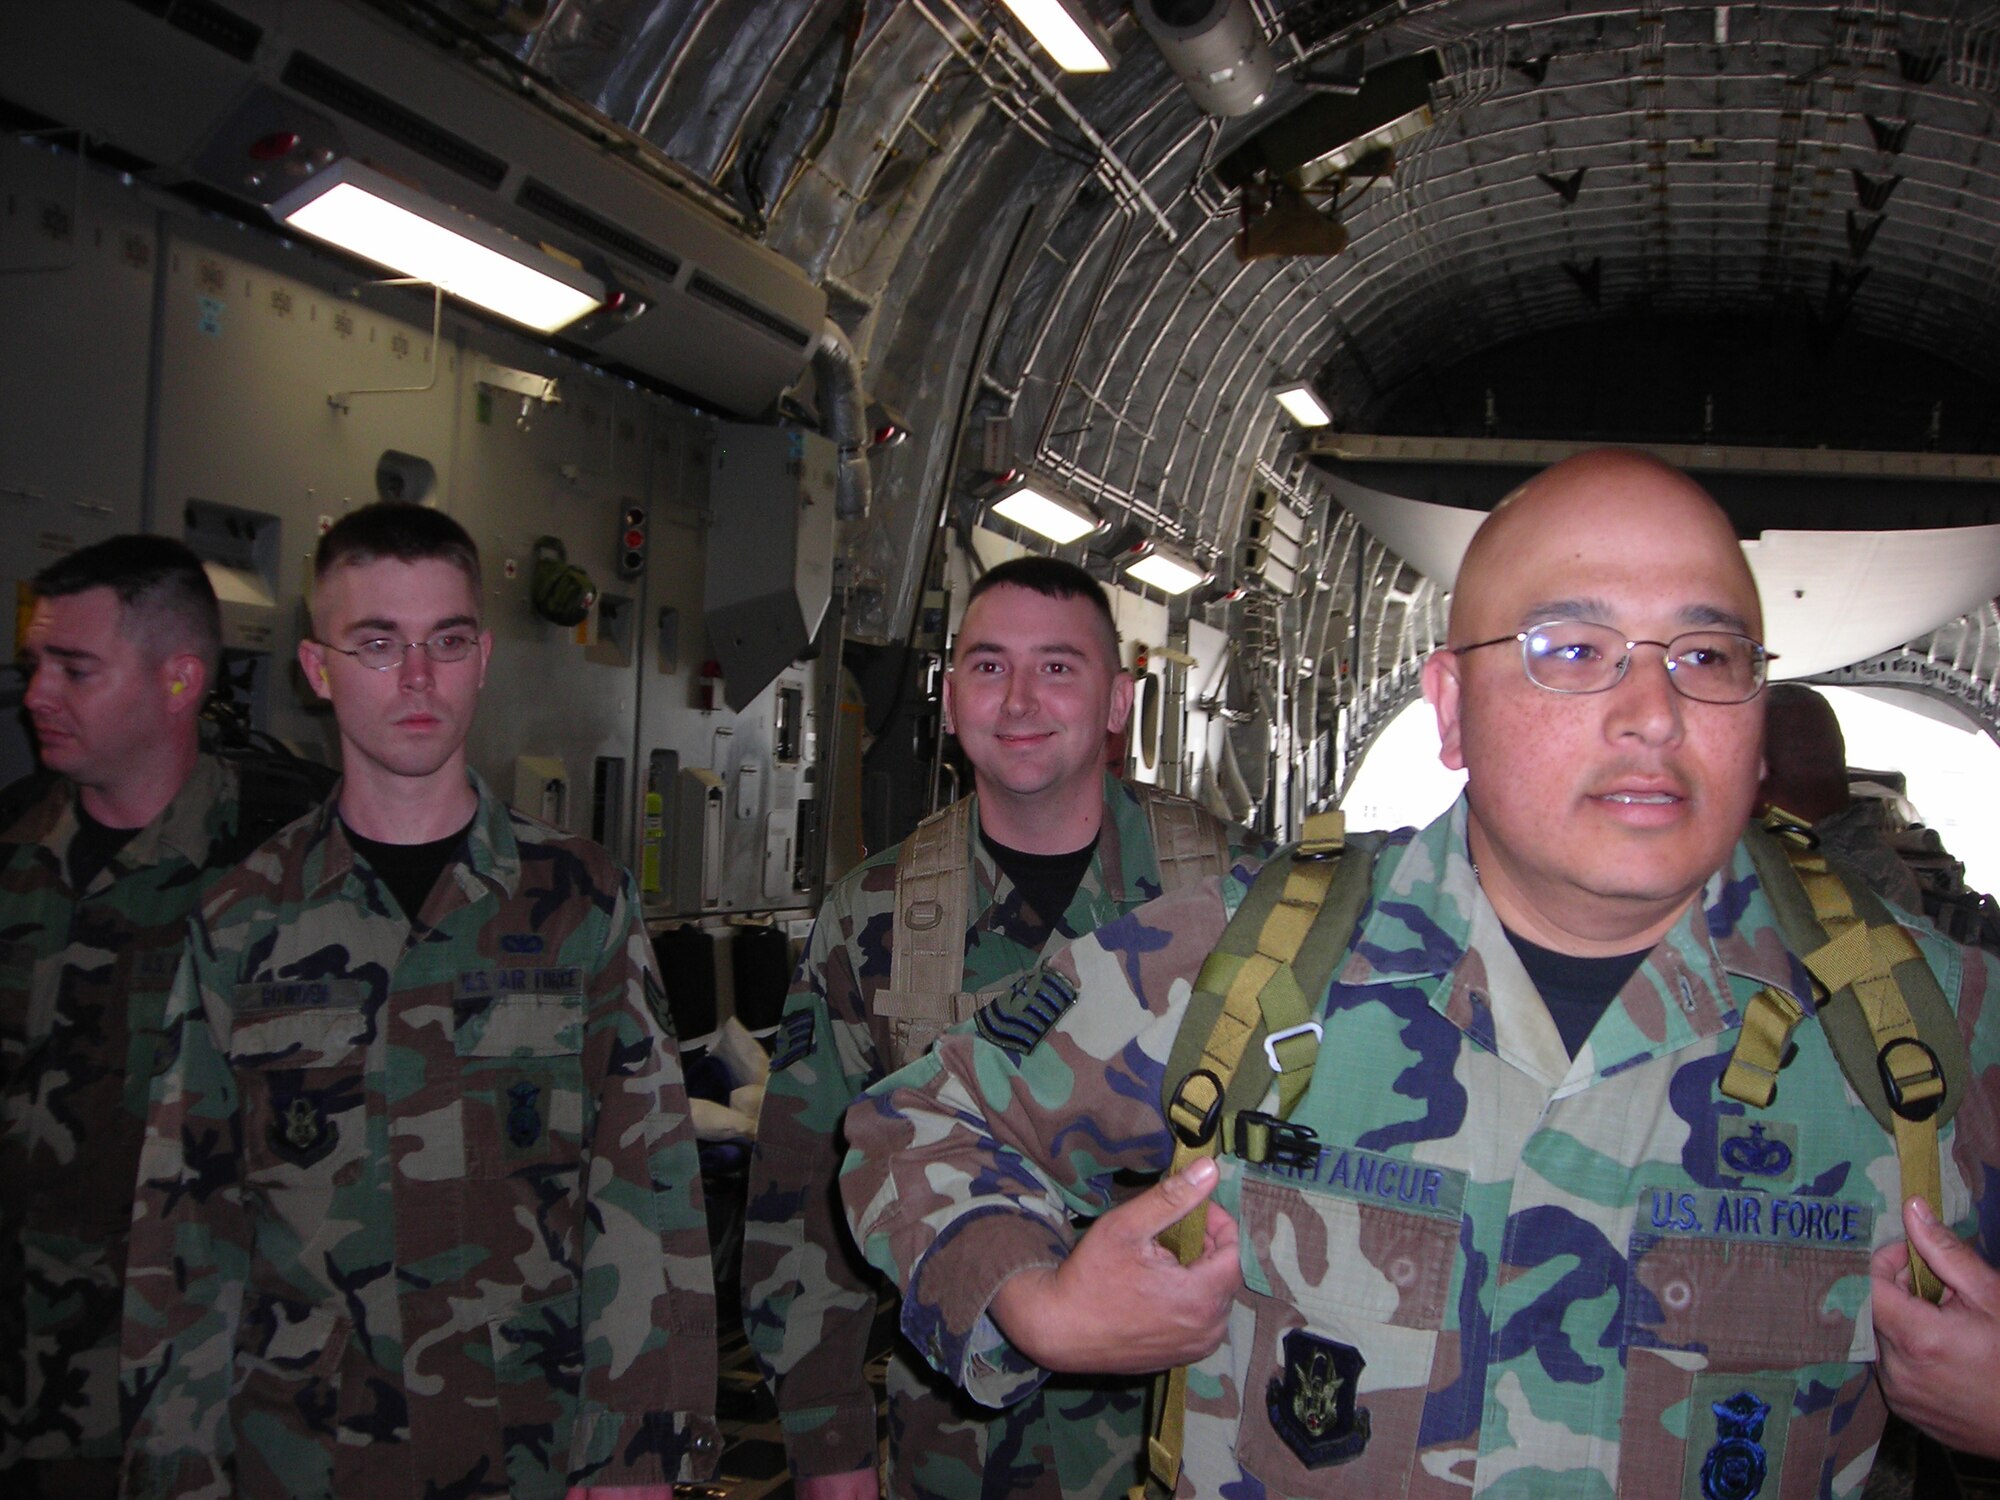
[(1207, 1120), (1283, 1145), (1918, 1109)]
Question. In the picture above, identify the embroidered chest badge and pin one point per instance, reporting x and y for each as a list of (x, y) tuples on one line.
[(524, 1121), (1756, 1148), (1312, 1405), (300, 1131), (1736, 1465)]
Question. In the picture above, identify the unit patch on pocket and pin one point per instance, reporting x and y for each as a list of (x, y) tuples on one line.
[(1312, 1406)]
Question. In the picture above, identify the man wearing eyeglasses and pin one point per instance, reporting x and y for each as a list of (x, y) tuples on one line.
[(1509, 1237), (418, 1210)]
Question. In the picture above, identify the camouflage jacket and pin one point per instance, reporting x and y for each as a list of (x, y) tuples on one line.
[(1493, 1269), (418, 1208), (809, 1300), (84, 977)]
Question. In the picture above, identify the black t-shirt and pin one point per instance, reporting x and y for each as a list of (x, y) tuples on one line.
[(1044, 885), (93, 847), (1576, 990), (409, 870)]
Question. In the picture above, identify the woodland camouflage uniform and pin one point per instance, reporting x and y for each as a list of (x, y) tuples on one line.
[(419, 1211), (1492, 1270), (84, 977), (809, 1300)]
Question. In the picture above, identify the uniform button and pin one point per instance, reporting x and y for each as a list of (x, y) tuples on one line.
[(1402, 1270), (1678, 1295), (706, 1442)]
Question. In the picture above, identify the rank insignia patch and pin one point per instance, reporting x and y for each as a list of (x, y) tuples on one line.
[(793, 1041), (1312, 1406)]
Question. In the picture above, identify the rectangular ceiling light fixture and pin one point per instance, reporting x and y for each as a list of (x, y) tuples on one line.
[(1167, 571), (1067, 33), (391, 224), (1057, 517), (1302, 405)]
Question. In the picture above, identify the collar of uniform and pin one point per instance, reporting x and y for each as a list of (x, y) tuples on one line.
[(1123, 828), (495, 855), (1430, 922), (185, 826)]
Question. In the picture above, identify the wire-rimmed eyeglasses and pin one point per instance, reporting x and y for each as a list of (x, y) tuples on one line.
[(1577, 656), (384, 652)]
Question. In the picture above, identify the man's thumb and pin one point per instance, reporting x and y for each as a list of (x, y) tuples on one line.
[(1169, 1200)]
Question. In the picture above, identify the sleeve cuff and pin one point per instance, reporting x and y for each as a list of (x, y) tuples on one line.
[(831, 1439), (656, 1447), (945, 1308)]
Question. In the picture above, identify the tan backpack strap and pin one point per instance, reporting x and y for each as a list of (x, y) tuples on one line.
[(1189, 842), (927, 942), (1896, 1040), (1254, 996)]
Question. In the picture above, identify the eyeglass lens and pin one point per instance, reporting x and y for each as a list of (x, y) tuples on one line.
[(1574, 656), (384, 653)]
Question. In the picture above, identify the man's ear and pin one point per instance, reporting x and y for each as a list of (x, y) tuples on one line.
[(1122, 689), (1441, 691), (186, 681), (312, 662)]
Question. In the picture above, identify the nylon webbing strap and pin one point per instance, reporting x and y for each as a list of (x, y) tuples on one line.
[(1879, 1001), (1862, 958), (1260, 997), (927, 943)]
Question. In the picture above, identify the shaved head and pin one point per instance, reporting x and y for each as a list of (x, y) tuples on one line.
[(1595, 818)]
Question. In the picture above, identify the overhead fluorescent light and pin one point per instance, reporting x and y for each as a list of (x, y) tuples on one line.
[(1302, 405), (1167, 571), (1067, 33), (1054, 516), (381, 220)]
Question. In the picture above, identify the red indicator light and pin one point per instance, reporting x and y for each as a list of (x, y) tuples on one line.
[(276, 146), (635, 539)]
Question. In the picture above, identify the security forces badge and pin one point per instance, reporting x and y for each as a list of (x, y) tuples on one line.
[(1311, 1405)]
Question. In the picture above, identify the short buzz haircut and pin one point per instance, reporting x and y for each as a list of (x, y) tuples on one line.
[(1052, 578), (401, 532), (167, 602)]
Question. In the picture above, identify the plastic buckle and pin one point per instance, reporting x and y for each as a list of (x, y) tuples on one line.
[(1286, 1145), (1910, 1109), (1271, 1041), (1209, 1120)]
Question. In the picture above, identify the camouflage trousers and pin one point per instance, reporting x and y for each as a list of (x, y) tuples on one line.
[(1077, 1438)]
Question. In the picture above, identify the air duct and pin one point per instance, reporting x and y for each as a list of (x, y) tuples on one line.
[(1216, 50), (844, 417)]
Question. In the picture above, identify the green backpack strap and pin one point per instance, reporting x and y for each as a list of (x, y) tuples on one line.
[(1250, 1019), (1884, 1014)]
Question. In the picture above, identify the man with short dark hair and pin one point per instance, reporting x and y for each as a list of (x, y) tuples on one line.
[(418, 1210), (102, 856), (1554, 1178), (922, 937)]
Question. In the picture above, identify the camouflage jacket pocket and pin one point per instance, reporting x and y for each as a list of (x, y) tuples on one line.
[(1349, 1299), (289, 1408), (910, 1022), (1744, 1335), (300, 1074), (537, 1364), (521, 1077)]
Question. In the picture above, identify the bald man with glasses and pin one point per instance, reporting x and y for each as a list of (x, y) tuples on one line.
[(1493, 1227)]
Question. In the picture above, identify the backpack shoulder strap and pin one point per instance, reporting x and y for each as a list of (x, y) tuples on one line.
[(1250, 1018), (1885, 1016), (1189, 842), (927, 940)]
